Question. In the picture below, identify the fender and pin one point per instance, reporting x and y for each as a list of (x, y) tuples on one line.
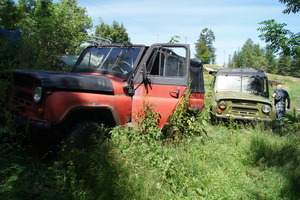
[(58, 104)]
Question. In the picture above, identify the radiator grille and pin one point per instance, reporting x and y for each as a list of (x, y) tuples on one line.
[(244, 103), (244, 111)]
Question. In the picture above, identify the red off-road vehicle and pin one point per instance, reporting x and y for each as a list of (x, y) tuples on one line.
[(108, 85)]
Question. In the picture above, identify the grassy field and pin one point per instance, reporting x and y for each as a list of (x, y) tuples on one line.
[(224, 161)]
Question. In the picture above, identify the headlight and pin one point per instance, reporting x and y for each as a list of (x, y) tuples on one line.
[(266, 109), (222, 105), (37, 95)]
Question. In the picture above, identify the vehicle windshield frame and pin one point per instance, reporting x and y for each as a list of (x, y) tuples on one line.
[(249, 84), (117, 59)]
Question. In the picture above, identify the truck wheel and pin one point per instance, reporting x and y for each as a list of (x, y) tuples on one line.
[(80, 134)]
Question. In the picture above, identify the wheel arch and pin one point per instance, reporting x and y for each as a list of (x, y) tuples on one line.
[(99, 115)]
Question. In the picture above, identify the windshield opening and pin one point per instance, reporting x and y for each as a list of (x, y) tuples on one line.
[(256, 85), (115, 59)]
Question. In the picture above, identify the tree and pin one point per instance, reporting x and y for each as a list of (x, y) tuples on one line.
[(278, 39), (56, 27), (295, 67), (72, 24), (283, 42), (291, 6), (116, 33), (9, 15), (251, 56), (271, 62), (47, 28), (284, 65), (204, 46)]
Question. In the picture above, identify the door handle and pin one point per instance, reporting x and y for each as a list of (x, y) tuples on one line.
[(175, 93)]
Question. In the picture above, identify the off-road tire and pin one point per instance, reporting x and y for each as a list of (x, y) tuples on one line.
[(80, 134)]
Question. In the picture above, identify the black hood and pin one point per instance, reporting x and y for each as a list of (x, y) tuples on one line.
[(68, 81)]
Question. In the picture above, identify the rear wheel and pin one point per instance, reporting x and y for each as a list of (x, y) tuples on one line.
[(81, 133)]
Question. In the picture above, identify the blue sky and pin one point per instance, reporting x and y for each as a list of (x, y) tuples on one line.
[(232, 21)]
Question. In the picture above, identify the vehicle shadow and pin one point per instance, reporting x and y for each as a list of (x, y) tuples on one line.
[(283, 158), (91, 173)]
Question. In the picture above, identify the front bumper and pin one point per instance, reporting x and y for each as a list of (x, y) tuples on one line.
[(246, 118), (38, 124)]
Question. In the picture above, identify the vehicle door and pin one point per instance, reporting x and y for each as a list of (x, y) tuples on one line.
[(161, 79)]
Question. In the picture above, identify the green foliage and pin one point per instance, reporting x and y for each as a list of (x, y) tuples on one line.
[(183, 122), (284, 65), (279, 39), (9, 15), (204, 46), (203, 52), (271, 62), (115, 33), (251, 56), (174, 39), (291, 6), (145, 132), (179, 121), (48, 29), (147, 122)]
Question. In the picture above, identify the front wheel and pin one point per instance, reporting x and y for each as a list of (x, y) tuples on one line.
[(81, 133)]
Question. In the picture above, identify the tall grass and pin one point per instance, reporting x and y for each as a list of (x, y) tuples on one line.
[(229, 164)]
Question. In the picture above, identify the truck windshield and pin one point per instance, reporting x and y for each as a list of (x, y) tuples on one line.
[(113, 58), (255, 84)]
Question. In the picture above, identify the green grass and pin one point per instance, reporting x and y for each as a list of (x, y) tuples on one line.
[(240, 163)]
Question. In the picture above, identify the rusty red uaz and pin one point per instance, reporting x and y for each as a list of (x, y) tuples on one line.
[(107, 85)]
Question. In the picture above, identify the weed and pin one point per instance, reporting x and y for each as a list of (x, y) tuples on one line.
[(148, 121), (184, 123)]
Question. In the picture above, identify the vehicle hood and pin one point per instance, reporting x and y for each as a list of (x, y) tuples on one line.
[(229, 95), (68, 81)]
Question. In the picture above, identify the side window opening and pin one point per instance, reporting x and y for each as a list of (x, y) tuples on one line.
[(165, 63), (173, 65), (152, 64)]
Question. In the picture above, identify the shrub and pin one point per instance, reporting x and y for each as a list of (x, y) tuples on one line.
[(184, 122)]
